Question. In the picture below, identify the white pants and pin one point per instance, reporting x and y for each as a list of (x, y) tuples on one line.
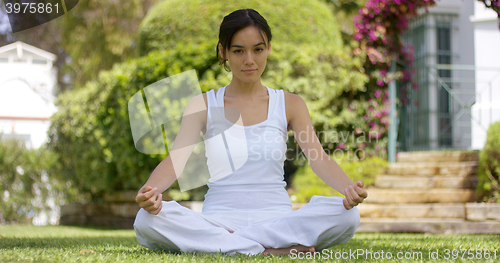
[(322, 223)]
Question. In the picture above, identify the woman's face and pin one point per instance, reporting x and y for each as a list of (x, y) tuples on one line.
[(247, 55)]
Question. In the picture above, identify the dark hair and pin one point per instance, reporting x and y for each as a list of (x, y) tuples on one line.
[(235, 21)]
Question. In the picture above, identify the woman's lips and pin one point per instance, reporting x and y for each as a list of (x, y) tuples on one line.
[(249, 71)]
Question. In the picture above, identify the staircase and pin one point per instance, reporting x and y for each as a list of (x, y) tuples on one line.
[(431, 192)]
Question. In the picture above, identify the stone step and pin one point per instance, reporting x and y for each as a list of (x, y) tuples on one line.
[(368, 210), (425, 182), (419, 196), (438, 156), (482, 211), (428, 225), (429, 169)]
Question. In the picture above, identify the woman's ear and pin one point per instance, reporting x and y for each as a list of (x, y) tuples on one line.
[(221, 52), (269, 49)]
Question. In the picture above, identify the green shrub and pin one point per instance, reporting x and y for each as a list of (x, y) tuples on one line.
[(489, 165), (306, 183), (25, 184), (176, 23)]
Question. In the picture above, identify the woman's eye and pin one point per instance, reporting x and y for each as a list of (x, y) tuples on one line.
[(237, 51), (259, 49)]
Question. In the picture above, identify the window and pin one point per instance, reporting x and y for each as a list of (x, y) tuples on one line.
[(40, 61), (444, 57)]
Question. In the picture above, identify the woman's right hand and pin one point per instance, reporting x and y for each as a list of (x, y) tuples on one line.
[(147, 200)]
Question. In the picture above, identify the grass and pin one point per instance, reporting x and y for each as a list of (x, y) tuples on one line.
[(23, 243)]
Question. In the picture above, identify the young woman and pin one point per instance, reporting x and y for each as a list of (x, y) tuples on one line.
[(247, 210)]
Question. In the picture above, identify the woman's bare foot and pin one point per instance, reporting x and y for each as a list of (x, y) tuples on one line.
[(288, 250)]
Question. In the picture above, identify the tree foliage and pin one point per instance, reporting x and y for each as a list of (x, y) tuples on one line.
[(97, 34), (25, 181)]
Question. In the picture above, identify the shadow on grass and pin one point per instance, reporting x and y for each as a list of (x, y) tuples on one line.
[(65, 242)]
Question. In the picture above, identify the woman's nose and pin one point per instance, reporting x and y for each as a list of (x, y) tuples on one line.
[(249, 59)]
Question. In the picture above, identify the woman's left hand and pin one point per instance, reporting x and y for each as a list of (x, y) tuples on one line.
[(354, 195)]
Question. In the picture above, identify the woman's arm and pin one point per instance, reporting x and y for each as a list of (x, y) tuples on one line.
[(321, 164), (165, 174)]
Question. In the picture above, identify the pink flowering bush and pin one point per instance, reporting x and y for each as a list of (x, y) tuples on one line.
[(378, 29)]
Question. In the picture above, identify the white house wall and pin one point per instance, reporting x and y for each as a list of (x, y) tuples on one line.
[(18, 101), (27, 92), (487, 60)]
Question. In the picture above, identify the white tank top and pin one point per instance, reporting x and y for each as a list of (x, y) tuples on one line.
[(246, 162)]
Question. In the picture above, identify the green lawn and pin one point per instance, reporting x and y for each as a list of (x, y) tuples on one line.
[(21, 243)]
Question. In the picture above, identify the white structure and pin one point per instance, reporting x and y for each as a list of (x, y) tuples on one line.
[(458, 77), (27, 90), (487, 54)]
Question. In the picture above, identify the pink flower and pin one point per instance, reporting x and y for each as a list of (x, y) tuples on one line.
[(383, 72), (380, 83), (372, 36), (377, 148), (406, 75), (341, 146), (377, 93), (415, 85)]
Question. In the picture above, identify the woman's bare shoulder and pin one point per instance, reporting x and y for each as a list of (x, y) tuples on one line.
[(293, 105), (291, 99), (197, 110), (291, 96)]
